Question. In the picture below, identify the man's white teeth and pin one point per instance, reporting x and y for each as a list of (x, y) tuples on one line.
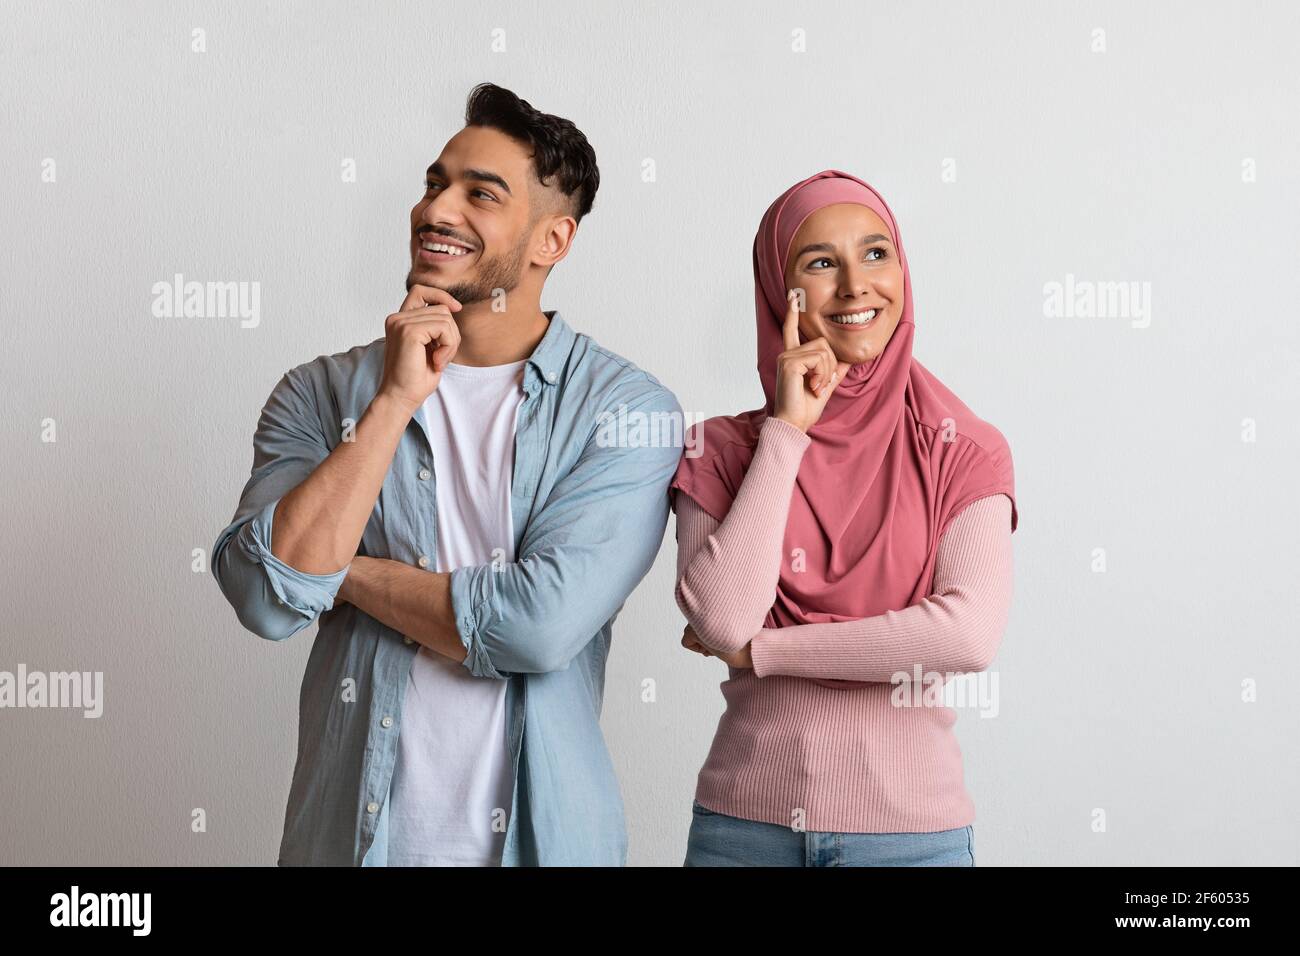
[(857, 318), (442, 247)]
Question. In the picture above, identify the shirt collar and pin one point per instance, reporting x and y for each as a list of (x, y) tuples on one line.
[(551, 353)]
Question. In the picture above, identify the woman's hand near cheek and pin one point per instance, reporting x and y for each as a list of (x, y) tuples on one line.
[(806, 374), (741, 658)]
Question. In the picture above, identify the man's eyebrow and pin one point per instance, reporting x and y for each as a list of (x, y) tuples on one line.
[(828, 247), (474, 175)]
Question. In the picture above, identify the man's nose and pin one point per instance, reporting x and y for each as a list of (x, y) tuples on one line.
[(445, 207)]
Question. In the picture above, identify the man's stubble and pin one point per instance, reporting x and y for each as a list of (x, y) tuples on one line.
[(501, 272)]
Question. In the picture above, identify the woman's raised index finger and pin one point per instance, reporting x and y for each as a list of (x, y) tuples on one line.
[(790, 328)]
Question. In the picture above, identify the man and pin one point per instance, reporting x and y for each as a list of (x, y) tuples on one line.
[(449, 712)]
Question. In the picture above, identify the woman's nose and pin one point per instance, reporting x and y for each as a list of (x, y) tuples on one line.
[(854, 282)]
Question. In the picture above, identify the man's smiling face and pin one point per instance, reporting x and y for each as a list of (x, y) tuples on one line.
[(471, 230)]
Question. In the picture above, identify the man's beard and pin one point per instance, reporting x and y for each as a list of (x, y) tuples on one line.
[(499, 272)]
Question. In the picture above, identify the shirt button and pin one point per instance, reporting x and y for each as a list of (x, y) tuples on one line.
[(423, 561), (425, 474), (550, 376), (407, 640), (386, 722), (372, 807)]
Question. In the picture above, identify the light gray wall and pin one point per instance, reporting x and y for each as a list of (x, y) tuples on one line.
[(1170, 158)]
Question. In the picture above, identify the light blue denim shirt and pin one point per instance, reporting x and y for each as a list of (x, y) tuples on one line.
[(589, 516)]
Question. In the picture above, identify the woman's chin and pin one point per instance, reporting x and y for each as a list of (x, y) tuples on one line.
[(858, 352), (857, 356)]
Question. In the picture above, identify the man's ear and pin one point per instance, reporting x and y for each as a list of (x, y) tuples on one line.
[(555, 235)]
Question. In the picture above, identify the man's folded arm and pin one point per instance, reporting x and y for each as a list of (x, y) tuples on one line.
[(592, 542), (271, 598)]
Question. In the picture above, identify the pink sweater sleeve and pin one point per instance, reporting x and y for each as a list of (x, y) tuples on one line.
[(726, 596), (956, 629), (727, 571)]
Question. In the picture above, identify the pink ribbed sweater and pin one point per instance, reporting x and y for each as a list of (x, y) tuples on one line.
[(789, 750)]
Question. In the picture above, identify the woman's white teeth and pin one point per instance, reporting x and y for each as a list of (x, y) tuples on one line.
[(442, 247), (856, 318)]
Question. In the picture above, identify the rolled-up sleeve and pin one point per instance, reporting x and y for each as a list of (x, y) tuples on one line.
[(271, 598), (581, 556)]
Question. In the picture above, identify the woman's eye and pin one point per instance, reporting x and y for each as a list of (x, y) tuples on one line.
[(882, 252), (485, 194), (813, 264)]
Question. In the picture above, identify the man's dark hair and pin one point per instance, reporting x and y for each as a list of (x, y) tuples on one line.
[(559, 148)]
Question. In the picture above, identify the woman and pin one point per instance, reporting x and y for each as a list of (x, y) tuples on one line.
[(856, 527)]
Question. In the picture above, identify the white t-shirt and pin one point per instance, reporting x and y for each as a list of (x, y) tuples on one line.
[(453, 781)]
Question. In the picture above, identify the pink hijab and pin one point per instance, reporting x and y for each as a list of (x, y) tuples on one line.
[(894, 456)]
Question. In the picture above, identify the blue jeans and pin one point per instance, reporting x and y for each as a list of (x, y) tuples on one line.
[(717, 839)]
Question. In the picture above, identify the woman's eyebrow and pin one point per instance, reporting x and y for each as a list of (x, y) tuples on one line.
[(828, 247)]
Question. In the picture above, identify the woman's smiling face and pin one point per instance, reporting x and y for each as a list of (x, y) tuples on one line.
[(845, 262)]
